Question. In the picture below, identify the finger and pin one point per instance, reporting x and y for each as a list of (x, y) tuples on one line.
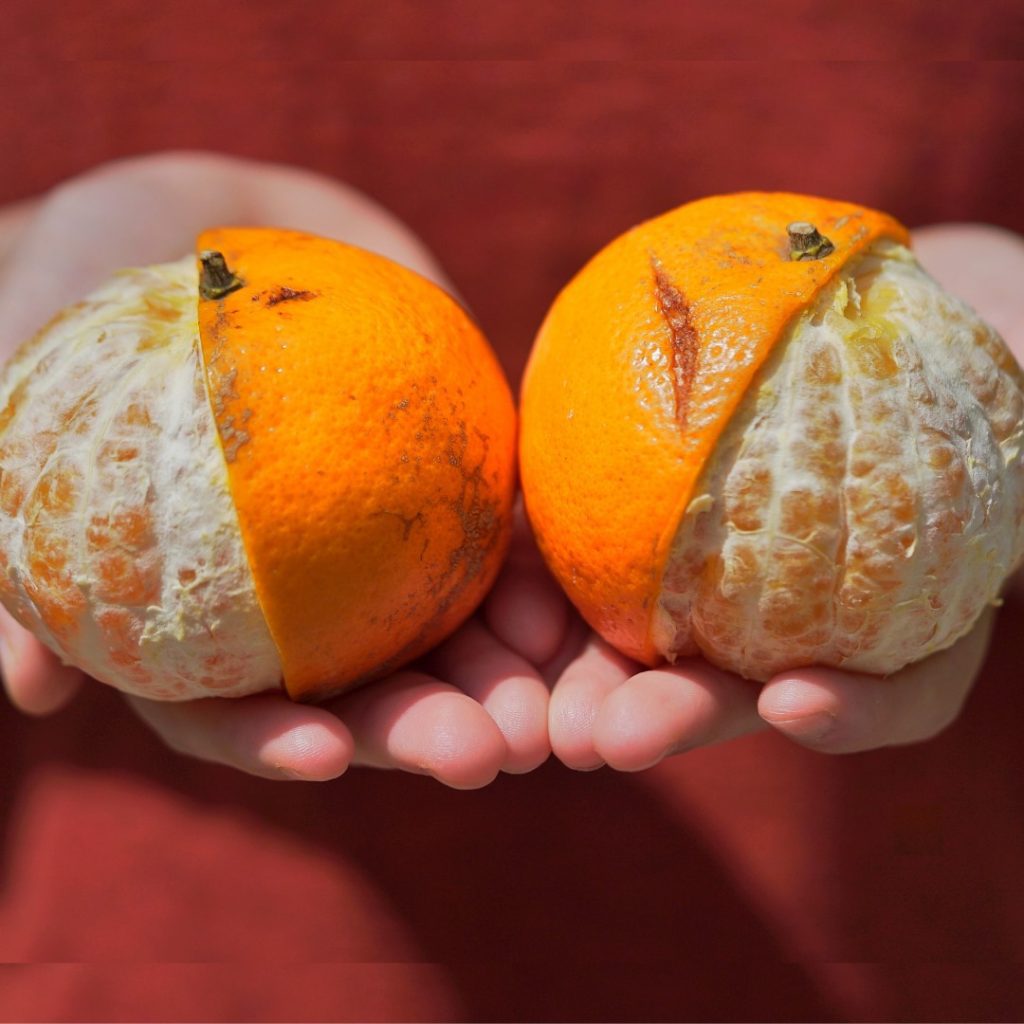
[(266, 735), (35, 679), (526, 609), (667, 711), (418, 724), (576, 698), (508, 688), (839, 712)]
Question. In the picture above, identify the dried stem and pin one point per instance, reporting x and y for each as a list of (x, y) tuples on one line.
[(806, 242), (215, 279)]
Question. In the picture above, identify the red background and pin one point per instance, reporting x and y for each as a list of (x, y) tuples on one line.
[(752, 881)]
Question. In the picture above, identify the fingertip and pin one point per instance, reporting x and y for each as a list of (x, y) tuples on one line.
[(571, 727), (640, 723), (527, 750), (662, 712), (315, 751), (418, 724), (518, 706), (505, 685), (265, 734), (577, 696), (465, 755)]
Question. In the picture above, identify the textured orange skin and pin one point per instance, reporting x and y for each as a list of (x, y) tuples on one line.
[(370, 444), (617, 421)]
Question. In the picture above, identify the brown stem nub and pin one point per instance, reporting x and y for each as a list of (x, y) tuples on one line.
[(806, 242), (215, 280)]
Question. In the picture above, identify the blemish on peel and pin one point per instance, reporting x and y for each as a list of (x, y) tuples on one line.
[(285, 294), (685, 345)]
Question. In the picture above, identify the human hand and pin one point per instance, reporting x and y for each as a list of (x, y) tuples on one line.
[(477, 706), (606, 710)]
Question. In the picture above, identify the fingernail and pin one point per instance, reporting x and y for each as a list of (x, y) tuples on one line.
[(806, 728)]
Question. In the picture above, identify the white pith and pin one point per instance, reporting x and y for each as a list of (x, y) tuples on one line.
[(866, 501), (112, 411)]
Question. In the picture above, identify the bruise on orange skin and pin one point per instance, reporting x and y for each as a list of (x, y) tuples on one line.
[(283, 294)]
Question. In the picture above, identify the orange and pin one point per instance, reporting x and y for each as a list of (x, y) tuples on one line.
[(753, 428), (291, 458)]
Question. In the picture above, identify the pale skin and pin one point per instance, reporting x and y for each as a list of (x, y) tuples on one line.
[(523, 677)]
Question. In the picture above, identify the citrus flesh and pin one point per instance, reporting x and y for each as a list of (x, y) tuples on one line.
[(770, 461), (119, 542)]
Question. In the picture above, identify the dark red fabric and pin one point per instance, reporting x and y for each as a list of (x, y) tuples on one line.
[(751, 881)]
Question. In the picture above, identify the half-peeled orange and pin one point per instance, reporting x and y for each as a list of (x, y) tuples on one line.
[(754, 428), (289, 458)]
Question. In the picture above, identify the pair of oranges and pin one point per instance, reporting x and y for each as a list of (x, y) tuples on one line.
[(751, 428)]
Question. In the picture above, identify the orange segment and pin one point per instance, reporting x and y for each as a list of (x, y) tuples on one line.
[(668, 326), (369, 437)]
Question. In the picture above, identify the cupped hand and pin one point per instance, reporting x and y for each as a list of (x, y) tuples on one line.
[(606, 709), (477, 705)]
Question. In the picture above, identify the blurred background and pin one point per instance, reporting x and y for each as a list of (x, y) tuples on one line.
[(751, 881)]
